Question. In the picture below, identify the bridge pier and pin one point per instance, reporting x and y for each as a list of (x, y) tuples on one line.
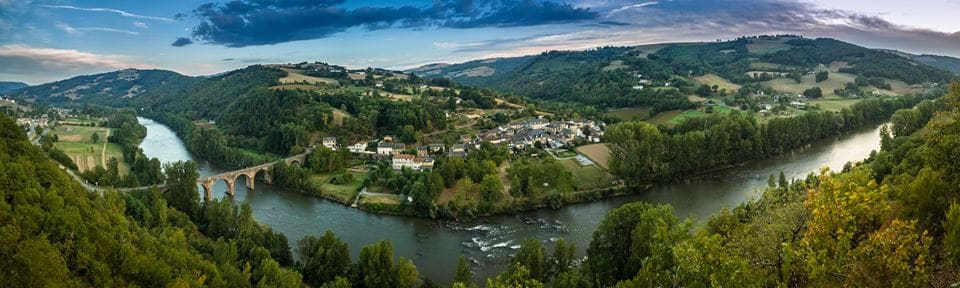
[(267, 177), (250, 179), (208, 189), (230, 185)]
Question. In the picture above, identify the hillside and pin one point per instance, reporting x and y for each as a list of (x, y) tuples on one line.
[(475, 72), (943, 62), (116, 86), (660, 75), (6, 86), (56, 234)]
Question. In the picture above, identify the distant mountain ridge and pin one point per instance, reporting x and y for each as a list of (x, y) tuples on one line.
[(110, 86), (948, 63), (6, 86), (608, 76)]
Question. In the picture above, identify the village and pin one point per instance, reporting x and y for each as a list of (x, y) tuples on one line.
[(536, 132)]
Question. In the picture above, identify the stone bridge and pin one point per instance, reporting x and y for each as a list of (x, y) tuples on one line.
[(249, 173)]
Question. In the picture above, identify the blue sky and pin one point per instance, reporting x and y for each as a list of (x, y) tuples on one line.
[(47, 40)]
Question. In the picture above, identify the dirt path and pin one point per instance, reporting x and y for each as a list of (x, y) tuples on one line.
[(103, 151)]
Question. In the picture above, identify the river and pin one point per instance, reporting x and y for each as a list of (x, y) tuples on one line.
[(490, 242)]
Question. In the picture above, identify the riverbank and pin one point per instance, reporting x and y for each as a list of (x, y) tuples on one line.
[(433, 244)]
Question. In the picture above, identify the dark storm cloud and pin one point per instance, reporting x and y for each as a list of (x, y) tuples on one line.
[(182, 41), (730, 18), (242, 23)]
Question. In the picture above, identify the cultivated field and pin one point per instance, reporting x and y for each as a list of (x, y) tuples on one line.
[(664, 117), (75, 142), (338, 116), (630, 114), (295, 76), (598, 153), (713, 79)]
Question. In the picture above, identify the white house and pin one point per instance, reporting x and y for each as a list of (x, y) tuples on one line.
[(404, 160), (358, 147), (330, 142)]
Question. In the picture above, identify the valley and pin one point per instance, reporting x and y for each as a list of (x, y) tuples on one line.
[(693, 146)]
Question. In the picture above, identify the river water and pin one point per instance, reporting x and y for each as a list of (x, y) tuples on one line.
[(434, 246)]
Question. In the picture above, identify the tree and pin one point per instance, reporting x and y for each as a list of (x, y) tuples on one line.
[(783, 181), (631, 237), (339, 282), (463, 271), (375, 265), (532, 256), (822, 76), (564, 253), (635, 151), (323, 259), (813, 93), (407, 275), (951, 237), (844, 211), (518, 277), (181, 183), (272, 275), (95, 137), (895, 256), (490, 188)]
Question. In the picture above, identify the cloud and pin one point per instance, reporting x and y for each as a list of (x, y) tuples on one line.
[(79, 30), (44, 64), (263, 22), (110, 10), (631, 6), (180, 42), (645, 22), (139, 24)]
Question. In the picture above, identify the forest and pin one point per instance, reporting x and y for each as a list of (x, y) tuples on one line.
[(642, 153)]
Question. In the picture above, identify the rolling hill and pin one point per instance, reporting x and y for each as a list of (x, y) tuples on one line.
[(948, 63), (6, 86), (660, 75), (121, 85)]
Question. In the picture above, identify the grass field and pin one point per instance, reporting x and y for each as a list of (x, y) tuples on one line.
[(675, 116), (766, 46), (378, 199), (833, 104), (75, 142), (713, 79), (630, 114), (696, 99), (345, 192), (615, 65), (294, 76), (764, 65), (304, 87), (598, 153), (835, 81), (587, 177), (80, 121)]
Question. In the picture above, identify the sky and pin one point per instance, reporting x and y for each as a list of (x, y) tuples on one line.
[(49, 40)]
